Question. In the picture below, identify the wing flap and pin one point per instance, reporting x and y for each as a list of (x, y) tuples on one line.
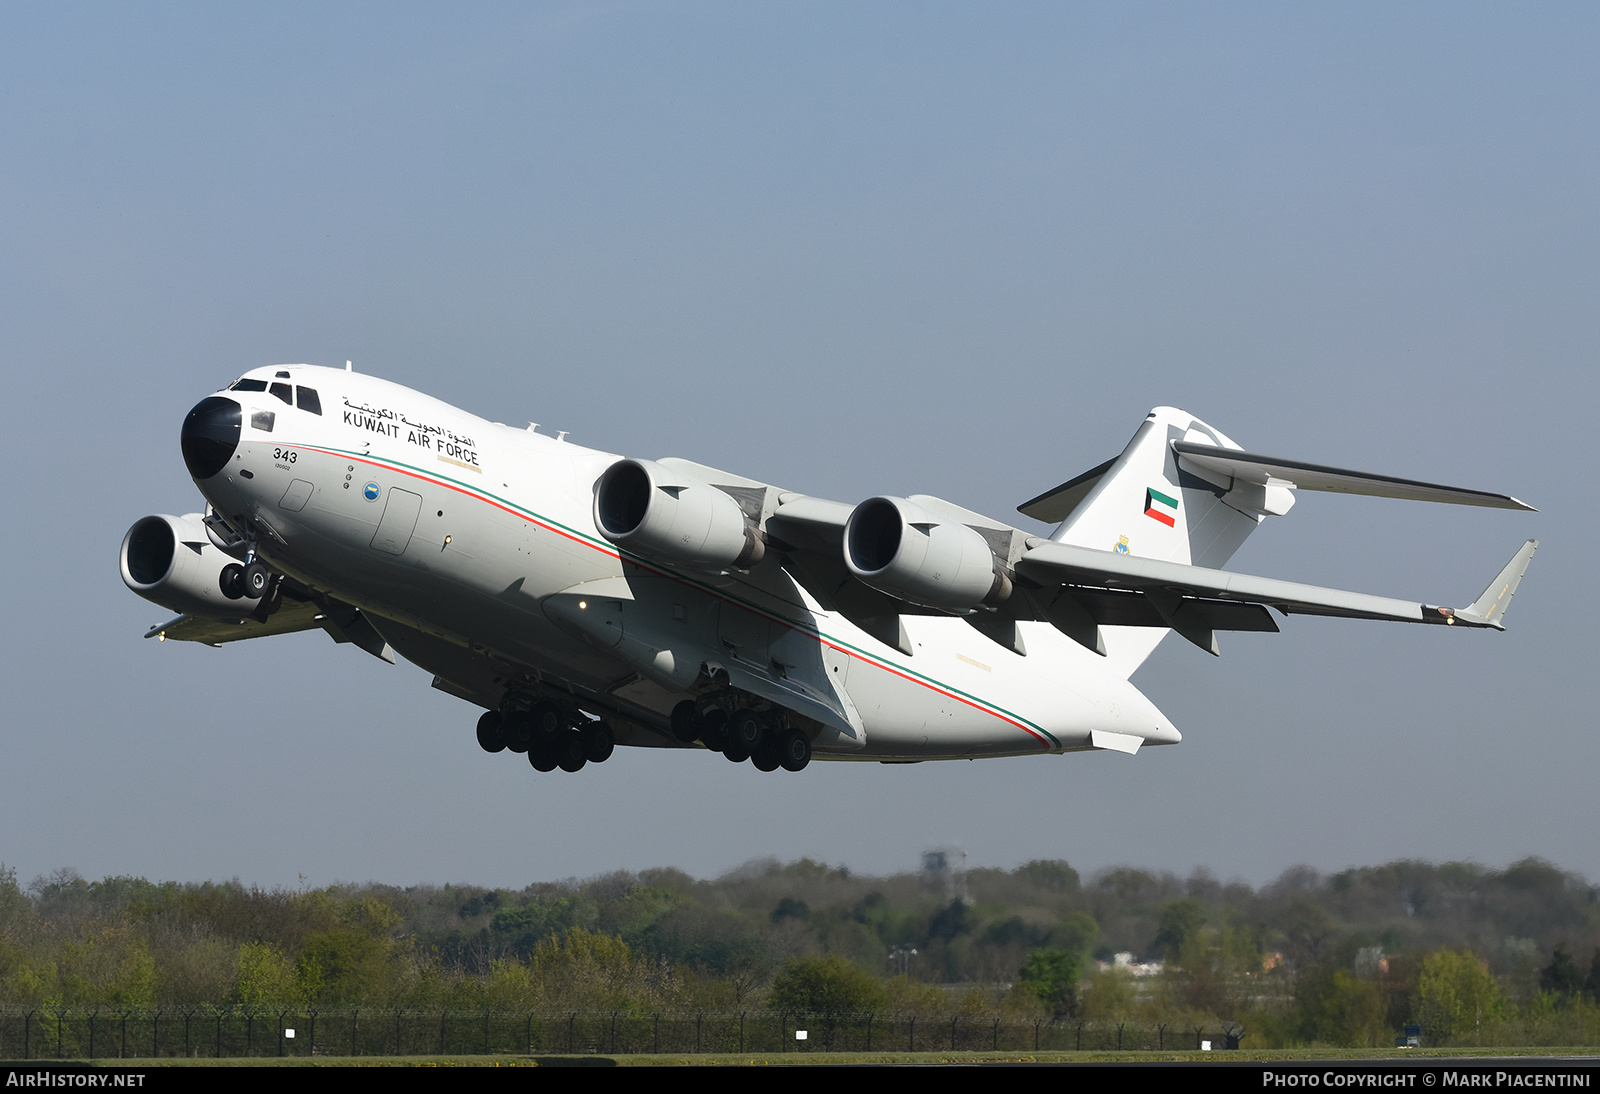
[(1071, 565), (1128, 608)]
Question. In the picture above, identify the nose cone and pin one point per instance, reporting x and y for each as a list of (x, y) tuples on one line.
[(1165, 733), (210, 435)]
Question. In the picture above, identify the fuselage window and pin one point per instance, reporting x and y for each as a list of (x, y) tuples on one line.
[(309, 401), (282, 391), (262, 420), (249, 385)]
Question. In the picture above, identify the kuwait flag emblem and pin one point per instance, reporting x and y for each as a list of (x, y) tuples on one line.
[(1161, 507)]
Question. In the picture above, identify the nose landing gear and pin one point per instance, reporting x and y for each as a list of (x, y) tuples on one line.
[(249, 582), (255, 580)]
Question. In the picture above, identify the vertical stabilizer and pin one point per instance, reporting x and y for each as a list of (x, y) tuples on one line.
[(1147, 505)]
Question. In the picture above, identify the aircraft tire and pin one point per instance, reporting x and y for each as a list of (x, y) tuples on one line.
[(598, 742), (255, 580), (735, 751), (685, 721), (569, 753), (766, 758), (518, 729), (548, 720), (231, 581), (745, 730), (491, 732), (794, 750), (542, 756), (714, 729)]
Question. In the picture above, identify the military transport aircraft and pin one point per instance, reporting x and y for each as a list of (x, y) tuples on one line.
[(585, 600)]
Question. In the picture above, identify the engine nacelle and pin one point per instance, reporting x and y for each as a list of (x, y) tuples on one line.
[(900, 548), (662, 513), (171, 561)]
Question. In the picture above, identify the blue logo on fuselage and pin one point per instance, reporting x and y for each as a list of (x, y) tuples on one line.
[(371, 491)]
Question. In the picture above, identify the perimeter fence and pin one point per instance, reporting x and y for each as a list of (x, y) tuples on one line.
[(42, 1033)]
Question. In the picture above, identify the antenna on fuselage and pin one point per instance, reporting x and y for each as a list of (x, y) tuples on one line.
[(533, 427), (349, 366)]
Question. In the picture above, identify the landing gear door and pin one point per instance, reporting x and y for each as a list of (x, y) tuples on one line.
[(399, 521), (744, 634), (806, 666), (836, 666)]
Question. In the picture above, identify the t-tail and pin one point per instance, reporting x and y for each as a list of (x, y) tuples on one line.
[(1183, 492)]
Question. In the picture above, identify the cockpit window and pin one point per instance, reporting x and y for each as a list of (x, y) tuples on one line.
[(308, 400), (262, 420), (249, 385), (282, 391)]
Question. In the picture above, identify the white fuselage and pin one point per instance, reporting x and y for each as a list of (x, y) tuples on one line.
[(453, 532)]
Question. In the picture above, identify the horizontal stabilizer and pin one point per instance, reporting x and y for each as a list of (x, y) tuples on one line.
[(1269, 471), (1054, 506)]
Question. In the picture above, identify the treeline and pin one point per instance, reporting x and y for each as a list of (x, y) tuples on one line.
[(1475, 956)]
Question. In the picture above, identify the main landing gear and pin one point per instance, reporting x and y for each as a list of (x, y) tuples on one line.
[(743, 735), (548, 735)]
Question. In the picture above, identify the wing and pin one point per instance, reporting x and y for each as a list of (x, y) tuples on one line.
[(296, 611), (1184, 596), (810, 533), (290, 617), (1079, 589)]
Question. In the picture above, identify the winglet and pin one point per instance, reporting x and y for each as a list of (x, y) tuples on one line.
[(1490, 608)]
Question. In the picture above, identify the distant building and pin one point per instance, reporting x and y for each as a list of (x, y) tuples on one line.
[(1125, 964)]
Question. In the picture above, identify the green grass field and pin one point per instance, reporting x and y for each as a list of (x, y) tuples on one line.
[(802, 1059)]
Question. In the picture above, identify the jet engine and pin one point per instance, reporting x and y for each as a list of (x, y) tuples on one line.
[(171, 561), (899, 548), (662, 513)]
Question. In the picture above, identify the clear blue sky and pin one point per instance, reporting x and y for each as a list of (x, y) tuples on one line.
[(849, 249)]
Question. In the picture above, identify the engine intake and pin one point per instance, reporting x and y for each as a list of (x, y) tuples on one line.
[(665, 514), (172, 562), (899, 548)]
